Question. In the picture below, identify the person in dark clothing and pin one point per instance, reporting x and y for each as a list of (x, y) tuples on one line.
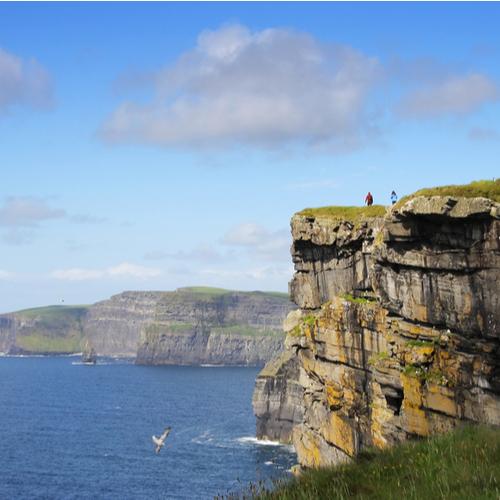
[(394, 197), (369, 199)]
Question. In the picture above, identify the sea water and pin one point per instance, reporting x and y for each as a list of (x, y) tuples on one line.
[(72, 431)]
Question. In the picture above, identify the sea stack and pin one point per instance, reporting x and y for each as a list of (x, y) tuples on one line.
[(89, 356)]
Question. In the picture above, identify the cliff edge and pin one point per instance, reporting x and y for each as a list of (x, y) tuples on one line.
[(397, 334)]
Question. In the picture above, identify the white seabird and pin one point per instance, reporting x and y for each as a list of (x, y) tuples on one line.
[(159, 441)]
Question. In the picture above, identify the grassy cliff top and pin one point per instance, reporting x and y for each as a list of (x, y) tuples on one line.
[(462, 464), (52, 312), (476, 189), (352, 214), (209, 292)]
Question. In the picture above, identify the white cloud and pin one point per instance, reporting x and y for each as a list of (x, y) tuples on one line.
[(77, 274), (27, 211), (202, 253), (23, 82), (266, 88), (123, 270), (257, 273), (246, 234), (451, 95), (22, 215), (272, 245), (133, 270)]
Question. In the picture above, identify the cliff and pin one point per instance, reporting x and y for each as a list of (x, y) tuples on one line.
[(397, 334), (43, 330), (198, 326), (187, 326)]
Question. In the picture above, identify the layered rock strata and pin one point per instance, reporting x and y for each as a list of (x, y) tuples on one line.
[(277, 398), (186, 326), (398, 332)]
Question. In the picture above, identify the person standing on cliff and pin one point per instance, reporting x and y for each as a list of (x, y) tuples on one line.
[(369, 199), (394, 197)]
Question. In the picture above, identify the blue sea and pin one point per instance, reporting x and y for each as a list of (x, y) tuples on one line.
[(73, 431)]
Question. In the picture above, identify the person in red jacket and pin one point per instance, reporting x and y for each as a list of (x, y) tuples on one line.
[(369, 199)]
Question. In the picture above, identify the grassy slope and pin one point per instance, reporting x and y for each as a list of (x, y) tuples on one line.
[(461, 465), (53, 329), (476, 189)]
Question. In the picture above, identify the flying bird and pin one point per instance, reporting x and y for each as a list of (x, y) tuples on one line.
[(159, 441)]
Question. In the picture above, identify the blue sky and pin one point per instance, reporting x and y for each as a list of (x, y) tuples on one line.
[(158, 145)]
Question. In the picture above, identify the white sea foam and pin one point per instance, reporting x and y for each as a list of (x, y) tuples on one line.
[(260, 442)]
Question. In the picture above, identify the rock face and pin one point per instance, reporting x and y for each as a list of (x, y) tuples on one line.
[(440, 264), (235, 328), (331, 257), (188, 326), (277, 398), (405, 341)]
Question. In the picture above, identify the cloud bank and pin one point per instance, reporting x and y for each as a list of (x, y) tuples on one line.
[(277, 87), (23, 82), (123, 270), (264, 88), (259, 241)]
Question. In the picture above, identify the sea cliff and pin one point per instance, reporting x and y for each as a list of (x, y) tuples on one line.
[(188, 326), (397, 331)]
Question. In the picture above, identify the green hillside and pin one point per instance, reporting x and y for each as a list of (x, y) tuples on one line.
[(50, 330)]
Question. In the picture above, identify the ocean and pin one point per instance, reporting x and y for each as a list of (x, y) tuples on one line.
[(70, 431)]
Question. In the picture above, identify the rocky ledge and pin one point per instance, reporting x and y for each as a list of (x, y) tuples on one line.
[(397, 334)]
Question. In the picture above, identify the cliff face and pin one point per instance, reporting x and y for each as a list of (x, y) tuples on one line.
[(277, 398), (188, 326), (226, 328), (398, 332)]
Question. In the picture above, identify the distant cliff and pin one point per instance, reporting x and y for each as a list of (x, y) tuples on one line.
[(187, 326), (43, 330), (398, 331)]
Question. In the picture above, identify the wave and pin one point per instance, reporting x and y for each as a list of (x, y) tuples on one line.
[(261, 442)]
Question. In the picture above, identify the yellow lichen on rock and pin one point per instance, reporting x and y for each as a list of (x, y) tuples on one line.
[(414, 416), (339, 431)]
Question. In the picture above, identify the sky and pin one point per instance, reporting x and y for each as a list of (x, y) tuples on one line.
[(150, 146)]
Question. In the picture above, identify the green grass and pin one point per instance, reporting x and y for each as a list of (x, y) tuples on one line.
[(40, 343), (422, 343), (51, 329), (484, 189), (206, 292), (49, 313), (357, 300), (352, 214), (463, 464)]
